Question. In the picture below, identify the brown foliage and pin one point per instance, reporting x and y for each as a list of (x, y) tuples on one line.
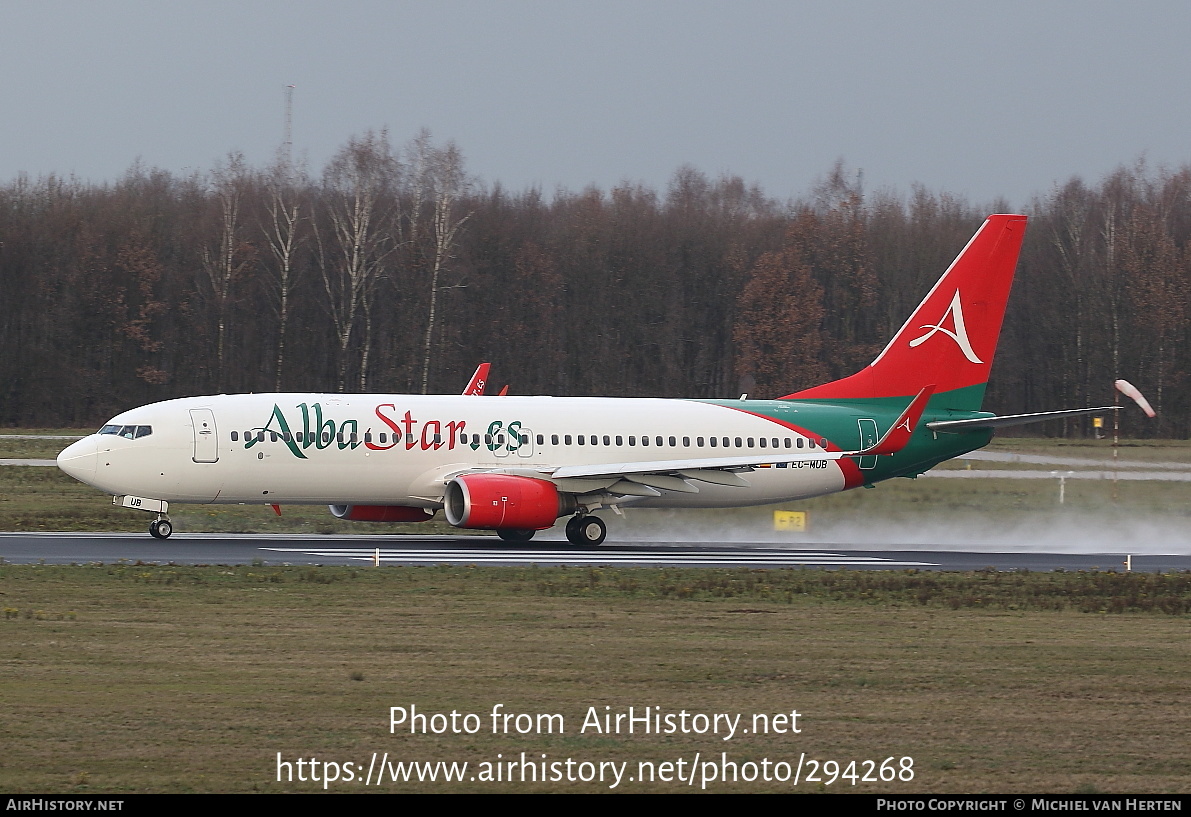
[(779, 317)]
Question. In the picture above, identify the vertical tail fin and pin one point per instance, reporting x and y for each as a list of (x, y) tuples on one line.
[(950, 339)]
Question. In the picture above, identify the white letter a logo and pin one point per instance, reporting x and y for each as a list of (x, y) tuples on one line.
[(960, 335)]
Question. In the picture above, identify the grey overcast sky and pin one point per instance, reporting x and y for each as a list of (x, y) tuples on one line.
[(984, 100)]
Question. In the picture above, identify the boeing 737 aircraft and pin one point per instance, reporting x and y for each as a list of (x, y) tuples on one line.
[(517, 464)]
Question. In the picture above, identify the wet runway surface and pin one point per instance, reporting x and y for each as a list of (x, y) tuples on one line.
[(81, 548)]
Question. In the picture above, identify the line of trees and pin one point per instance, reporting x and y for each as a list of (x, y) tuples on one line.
[(393, 271)]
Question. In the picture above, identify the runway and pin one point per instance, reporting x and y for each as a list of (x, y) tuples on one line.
[(111, 548)]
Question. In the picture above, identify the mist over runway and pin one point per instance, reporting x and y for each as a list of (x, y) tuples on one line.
[(366, 550)]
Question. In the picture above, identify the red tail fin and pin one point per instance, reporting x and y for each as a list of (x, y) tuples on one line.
[(951, 338)]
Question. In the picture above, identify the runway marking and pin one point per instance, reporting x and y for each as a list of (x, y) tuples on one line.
[(702, 558)]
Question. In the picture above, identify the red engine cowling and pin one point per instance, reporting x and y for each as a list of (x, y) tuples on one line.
[(380, 513), (495, 501)]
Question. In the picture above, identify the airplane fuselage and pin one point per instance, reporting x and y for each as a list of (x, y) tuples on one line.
[(402, 449)]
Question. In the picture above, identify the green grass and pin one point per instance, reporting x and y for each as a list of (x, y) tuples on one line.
[(31, 449), (129, 678)]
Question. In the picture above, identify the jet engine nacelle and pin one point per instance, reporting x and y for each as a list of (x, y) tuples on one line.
[(380, 513), (496, 501)]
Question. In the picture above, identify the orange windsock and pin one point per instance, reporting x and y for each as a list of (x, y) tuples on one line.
[(1129, 390)]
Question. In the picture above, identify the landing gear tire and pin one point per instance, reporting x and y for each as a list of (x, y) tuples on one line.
[(586, 530), (161, 528), (515, 535)]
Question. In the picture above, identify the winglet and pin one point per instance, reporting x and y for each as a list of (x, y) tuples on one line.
[(475, 386), (899, 433)]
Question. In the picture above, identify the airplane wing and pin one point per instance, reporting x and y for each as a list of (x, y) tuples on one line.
[(475, 386)]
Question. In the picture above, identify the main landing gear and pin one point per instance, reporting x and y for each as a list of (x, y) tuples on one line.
[(586, 530), (161, 528)]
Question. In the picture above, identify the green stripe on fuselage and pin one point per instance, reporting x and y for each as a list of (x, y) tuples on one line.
[(836, 420)]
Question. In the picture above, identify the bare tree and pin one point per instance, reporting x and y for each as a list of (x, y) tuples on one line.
[(282, 232), (438, 183), (231, 256), (359, 184)]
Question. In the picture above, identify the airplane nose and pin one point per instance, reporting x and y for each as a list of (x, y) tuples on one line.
[(79, 459)]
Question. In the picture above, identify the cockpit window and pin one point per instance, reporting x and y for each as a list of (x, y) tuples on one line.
[(127, 432)]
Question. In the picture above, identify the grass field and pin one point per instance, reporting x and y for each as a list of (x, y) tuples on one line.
[(128, 678)]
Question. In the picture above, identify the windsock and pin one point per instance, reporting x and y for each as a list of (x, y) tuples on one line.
[(1129, 390)]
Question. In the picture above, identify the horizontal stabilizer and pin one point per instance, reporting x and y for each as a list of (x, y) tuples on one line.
[(1010, 420)]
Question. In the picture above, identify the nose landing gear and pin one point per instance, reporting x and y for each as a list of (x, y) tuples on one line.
[(161, 528)]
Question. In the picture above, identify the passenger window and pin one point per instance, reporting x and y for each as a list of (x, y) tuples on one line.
[(750, 442), (644, 441), (541, 439), (658, 440), (763, 443), (787, 442), (699, 442), (235, 436), (713, 441), (632, 440), (739, 443), (367, 436), (799, 442), (384, 437), (553, 439), (726, 441), (272, 436), (775, 442), (607, 440), (686, 442), (326, 437), (619, 440), (567, 439), (581, 440)]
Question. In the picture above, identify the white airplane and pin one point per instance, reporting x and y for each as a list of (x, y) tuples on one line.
[(517, 464)]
